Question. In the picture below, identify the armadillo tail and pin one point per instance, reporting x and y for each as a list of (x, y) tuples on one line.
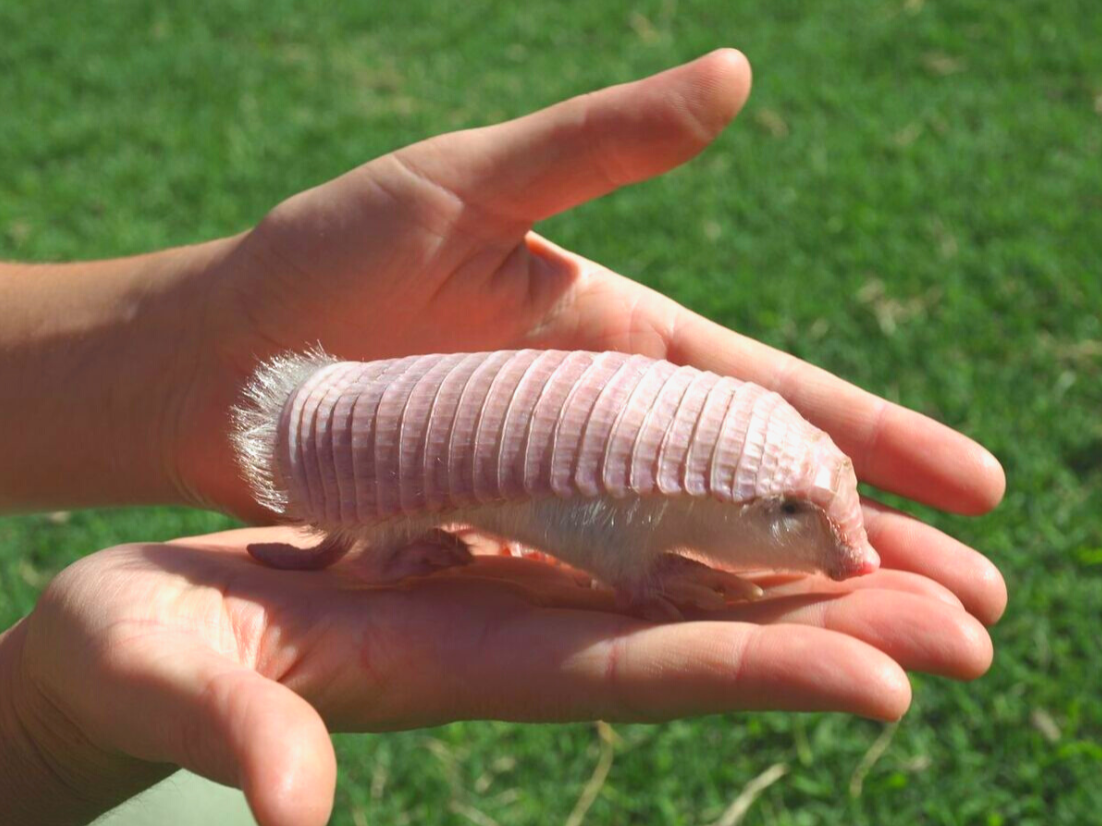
[(256, 422)]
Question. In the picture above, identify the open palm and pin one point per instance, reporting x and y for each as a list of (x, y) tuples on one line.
[(205, 659), (430, 249)]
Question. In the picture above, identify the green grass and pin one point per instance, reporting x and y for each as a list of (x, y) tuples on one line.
[(912, 199)]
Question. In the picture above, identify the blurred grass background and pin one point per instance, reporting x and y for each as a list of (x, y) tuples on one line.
[(912, 199)]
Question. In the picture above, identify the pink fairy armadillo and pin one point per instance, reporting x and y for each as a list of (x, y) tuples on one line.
[(612, 463)]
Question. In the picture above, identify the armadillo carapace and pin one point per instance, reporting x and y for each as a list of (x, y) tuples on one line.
[(609, 462)]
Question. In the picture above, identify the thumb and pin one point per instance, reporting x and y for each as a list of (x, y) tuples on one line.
[(224, 721), (527, 169)]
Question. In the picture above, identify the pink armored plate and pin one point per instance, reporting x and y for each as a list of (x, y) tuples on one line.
[(614, 463)]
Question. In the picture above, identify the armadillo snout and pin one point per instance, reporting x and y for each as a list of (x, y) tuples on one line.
[(833, 487)]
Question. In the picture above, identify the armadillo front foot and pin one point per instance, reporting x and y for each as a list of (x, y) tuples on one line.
[(677, 582)]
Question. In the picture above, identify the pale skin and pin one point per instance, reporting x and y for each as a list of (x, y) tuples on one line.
[(141, 658)]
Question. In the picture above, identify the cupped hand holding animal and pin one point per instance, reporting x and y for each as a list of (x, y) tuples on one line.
[(144, 657), (126, 371)]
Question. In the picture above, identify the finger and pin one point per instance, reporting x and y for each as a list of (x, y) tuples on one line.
[(916, 621), (908, 544), (918, 633), (535, 166), (779, 585), (236, 540), (506, 659), (471, 646), (226, 722), (892, 447)]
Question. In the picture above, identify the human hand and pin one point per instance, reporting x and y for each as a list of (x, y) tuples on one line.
[(426, 249), (191, 654), (429, 249)]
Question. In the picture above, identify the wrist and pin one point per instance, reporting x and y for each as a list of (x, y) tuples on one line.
[(50, 773), (100, 354)]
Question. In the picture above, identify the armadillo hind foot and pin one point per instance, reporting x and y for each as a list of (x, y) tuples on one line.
[(436, 550)]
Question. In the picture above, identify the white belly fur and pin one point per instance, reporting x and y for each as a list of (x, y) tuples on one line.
[(616, 540)]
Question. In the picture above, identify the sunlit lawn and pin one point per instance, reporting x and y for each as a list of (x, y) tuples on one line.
[(912, 198)]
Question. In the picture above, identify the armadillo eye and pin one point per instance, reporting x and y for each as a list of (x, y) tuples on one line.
[(790, 507)]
